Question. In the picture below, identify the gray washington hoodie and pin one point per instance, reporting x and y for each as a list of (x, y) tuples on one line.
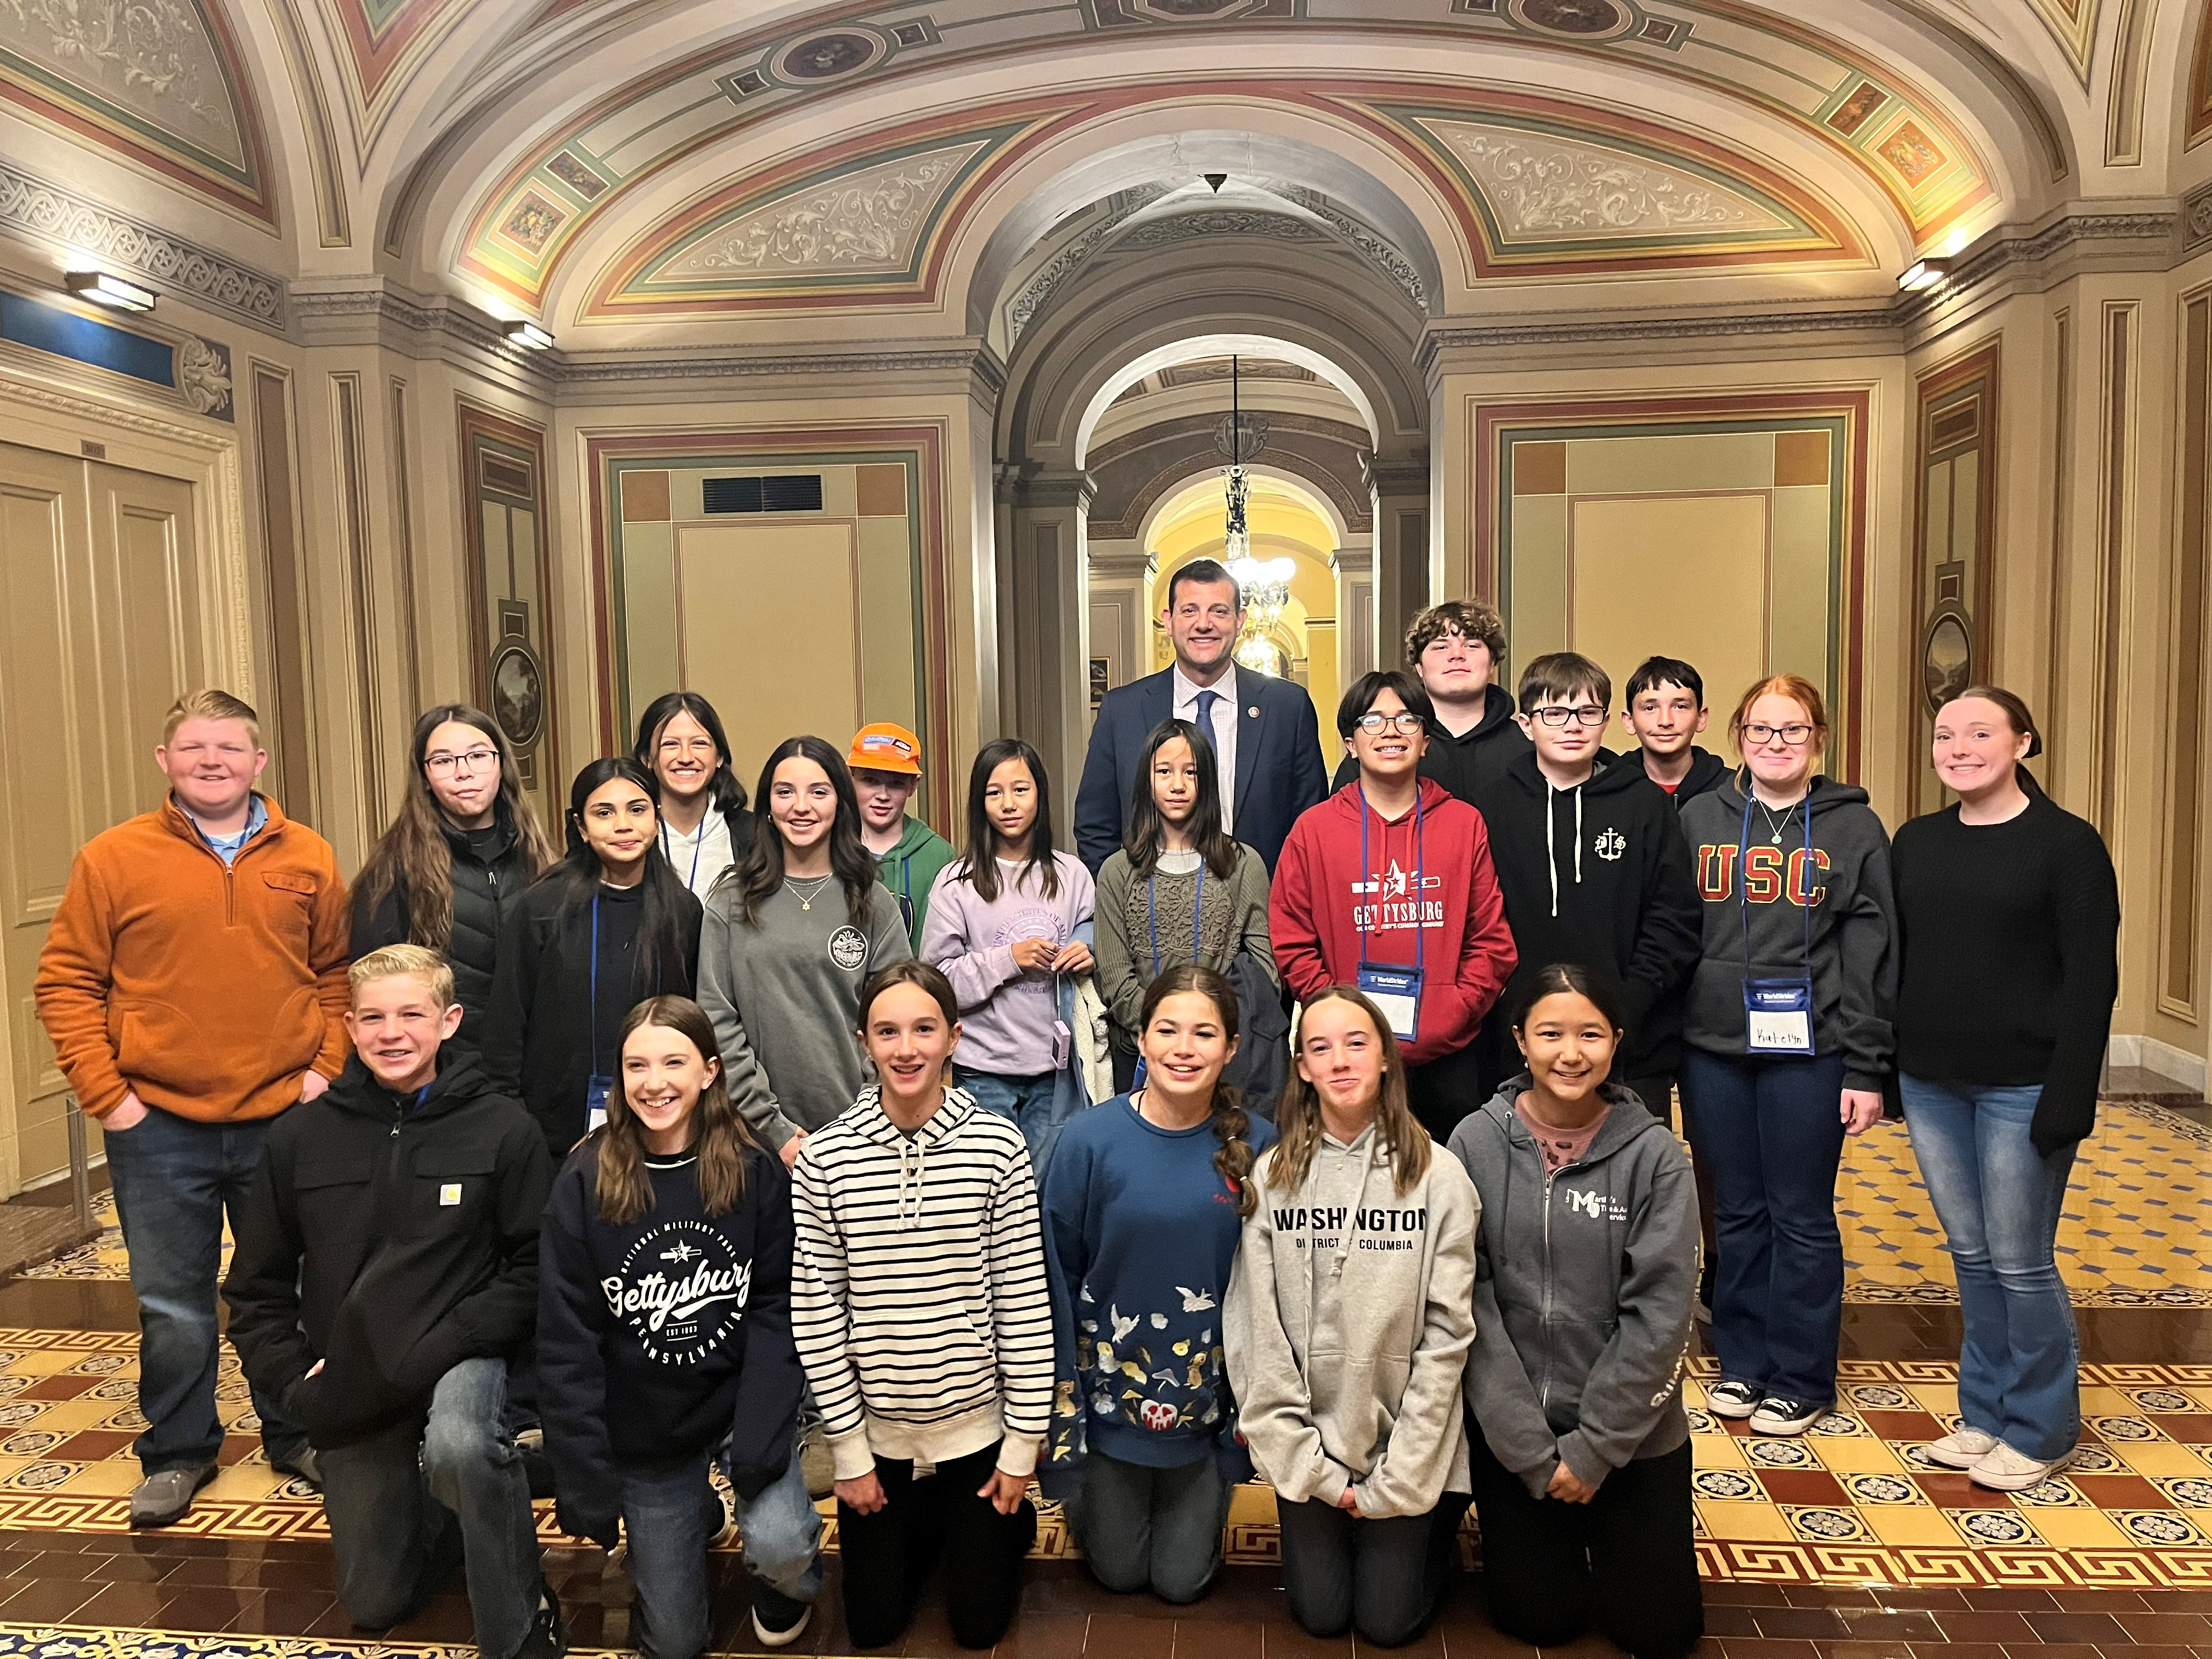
[(1583, 1281)]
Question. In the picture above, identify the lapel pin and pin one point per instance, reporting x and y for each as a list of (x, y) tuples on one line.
[(1253, 712)]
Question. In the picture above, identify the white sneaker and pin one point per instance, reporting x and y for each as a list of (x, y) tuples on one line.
[(1962, 1449), (2003, 1469)]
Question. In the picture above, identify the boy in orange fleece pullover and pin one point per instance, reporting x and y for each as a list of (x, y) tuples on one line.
[(194, 984)]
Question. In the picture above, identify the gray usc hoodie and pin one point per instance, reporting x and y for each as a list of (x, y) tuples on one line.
[(1854, 920), (1583, 1283), (1346, 1325)]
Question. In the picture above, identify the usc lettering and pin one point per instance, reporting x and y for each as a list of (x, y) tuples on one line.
[(1768, 873)]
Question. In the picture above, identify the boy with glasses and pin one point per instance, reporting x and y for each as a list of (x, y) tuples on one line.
[(1388, 886), (1595, 871)]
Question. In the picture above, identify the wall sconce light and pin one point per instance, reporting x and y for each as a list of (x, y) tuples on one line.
[(525, 335), (114, 292), (1924, 274)]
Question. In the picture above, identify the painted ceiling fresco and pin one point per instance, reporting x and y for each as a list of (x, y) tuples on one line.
[(1893, 131)]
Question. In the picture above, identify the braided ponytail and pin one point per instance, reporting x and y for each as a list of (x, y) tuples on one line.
[(1232, 1153)]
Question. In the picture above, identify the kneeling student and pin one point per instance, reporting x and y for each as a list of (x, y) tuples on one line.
[(921, 1313), (1586, 1262), (386, 1271), (664, 1340)]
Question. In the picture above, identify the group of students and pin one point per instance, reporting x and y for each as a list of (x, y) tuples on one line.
[(744, 1122)]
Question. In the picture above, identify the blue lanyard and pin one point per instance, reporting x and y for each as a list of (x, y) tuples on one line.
[(1367, 876), (698, 848), (595, 985), (1743, 882), (1197, 915)]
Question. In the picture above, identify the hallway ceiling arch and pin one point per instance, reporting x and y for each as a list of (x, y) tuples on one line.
[(1940, 161)]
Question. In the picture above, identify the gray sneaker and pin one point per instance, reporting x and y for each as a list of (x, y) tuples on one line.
[(303, 1468), (160, 1499)]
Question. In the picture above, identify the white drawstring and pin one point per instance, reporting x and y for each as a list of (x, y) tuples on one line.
[(910, 1173), (1550, 864)]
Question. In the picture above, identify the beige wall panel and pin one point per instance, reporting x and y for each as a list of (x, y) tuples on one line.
[(1966, 496), (1623, 466), (1537, 621), (148, 526), (649, 618), (1798, 629), (522, 527), (1940, 511), (1711, 608), (886, 607), (770, 683)]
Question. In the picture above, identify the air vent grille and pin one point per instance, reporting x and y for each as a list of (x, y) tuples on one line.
[(789, 492)]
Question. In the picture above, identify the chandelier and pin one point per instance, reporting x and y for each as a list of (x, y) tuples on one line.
[(1265, 582)]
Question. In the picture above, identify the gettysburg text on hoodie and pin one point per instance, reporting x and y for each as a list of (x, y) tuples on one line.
[(1325, 899)]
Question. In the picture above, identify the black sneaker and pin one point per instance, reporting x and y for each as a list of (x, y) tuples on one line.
[(303, 1468), (548, 1632), (1778, 1414), (1732, 1399), (778, 1620)]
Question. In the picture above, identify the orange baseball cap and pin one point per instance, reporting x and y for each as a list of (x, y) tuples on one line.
[(884, 747)]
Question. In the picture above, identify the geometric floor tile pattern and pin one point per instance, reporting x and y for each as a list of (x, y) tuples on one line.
[(1853, 1503), (2137, 1230)]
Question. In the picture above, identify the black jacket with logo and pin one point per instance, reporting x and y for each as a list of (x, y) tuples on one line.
[(1469, 763), (389, 1240), (657, 1337), (1617, 893), (490, 869)]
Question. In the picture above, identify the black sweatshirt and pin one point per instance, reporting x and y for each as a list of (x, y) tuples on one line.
[(1617, 894), (391, 1241), (1467, 763), (2009, 938), (659, 1337), (1708, 771), (544, 1034), (491, 868)]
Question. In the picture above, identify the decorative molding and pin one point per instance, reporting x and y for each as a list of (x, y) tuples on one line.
[(1219, 221), (1441, 337), (1367, 241), (1541, 188), (2197, 216), (980, 362), (1056, 270), (65, 219)]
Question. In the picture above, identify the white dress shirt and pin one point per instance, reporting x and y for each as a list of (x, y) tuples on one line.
[(1224, 733)]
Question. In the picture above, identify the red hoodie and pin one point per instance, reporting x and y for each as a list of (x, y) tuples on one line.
[(1322, 897)]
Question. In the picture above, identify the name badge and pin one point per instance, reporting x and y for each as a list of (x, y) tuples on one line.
[(595, 1102), (1777, 1015), (450, 1194), (1397, 992)]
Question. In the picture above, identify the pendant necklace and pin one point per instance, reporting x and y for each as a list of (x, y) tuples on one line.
[(806, 897), (1777, 827)]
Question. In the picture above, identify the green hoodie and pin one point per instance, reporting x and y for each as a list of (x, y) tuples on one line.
[(909, 870)]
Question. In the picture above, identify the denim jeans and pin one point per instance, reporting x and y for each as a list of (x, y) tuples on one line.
[(1771, 1133), (665, 1517), (1998, 1199), (403, 1504), (173, 1179), (1142, 1528), (1025, 1101)]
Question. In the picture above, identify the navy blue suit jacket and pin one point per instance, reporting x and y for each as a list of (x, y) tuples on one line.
[(1278, 766)]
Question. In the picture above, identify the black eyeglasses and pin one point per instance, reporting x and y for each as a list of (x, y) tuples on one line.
[(1587, 714), (1374, 725), (1792, 734)]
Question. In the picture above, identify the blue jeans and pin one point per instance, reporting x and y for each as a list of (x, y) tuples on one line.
[(402, 1505), (1771, 1133), (665, 1517), (174, 1178), (1142, 1528), (1998, 1199), (1026, 1101)]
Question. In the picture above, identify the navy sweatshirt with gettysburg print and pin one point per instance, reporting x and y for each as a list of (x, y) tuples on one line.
[(657, 1337)]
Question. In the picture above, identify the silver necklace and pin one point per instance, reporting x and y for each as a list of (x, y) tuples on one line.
[(807, 896), (1776, 828)]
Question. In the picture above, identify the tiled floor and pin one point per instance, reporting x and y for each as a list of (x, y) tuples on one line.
[(1843, 1546)]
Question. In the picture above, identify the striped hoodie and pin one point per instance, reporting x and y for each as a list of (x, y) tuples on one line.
[(920, 1306)]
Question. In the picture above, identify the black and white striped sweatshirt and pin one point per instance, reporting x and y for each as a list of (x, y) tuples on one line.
[(920, 1306)]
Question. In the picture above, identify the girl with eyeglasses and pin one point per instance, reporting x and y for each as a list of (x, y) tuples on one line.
[(607, 927), (704, 825), (1388, 886), (2008, 917), (1787, 1043), (464, 844)]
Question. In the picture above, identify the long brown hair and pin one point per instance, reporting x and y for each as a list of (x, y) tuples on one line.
[(413, 853), (625, 1185), (1297, 1119), (1232, 1153), (758, 872)]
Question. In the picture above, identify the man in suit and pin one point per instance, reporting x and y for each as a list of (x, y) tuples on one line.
[(1267, 740)]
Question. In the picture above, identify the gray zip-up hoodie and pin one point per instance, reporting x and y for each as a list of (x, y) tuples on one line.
[(784, 993), (1584, 1284), (1346, 1325), (1854, 922)]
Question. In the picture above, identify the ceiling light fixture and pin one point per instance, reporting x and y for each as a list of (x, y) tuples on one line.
[(525, 335), (1924, 274), (1265, 583), (103, 289)]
